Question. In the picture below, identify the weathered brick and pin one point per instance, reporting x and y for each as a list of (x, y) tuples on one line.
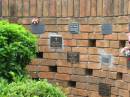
[(114, 90), (122, 36), (79, 78), (81, 36), (93, 58), (70, 42), (113, 36), (95, 36), (94, 65), (82, 42), (62, 76), (63, 63), (78, 71), (92, 87), (114, 44), (83, 58), (100, 73), (92, 50), (80, 85), (80, 49), (126, 77), (121, 84), (123, 93), (102, 43), (48, 75), (66, 70), (79, 92), (86, 28)]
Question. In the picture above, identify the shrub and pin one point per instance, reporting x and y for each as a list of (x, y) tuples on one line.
[(17, 48), (29, 88)]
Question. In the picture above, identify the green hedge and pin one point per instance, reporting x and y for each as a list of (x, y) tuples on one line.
[(29, 88), (17, 48)]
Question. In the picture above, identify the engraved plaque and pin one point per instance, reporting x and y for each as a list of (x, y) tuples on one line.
[(106, 29), (38, 28), (56, 41), (128, 62), (74, 28), (104, 89), (73, 57), (106, 59)]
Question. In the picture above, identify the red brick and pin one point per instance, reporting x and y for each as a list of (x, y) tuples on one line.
[(94, 65), (122, 36), (114, 44), (123, 93), (48, 75), (93, 50), (70, 42), (78, 71), (83, 57), (80, 49), (95, 36), (63, 63), (93, 58), (92, 87), (82, 42), (55, 55), (66, 35), (100, 73), (86, 28), (43, 42), (121, 84), (79, 92), (121, 68), (62, 76), (66, 70), (102, 43), (112, 36), (81, 36)]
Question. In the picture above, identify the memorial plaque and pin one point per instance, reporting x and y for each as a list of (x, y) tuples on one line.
[(106, 29), (74, 28), (128, 62), (38, 28), (129, 27), (73, 57), (104, 89), (106, 59), (56, 41)]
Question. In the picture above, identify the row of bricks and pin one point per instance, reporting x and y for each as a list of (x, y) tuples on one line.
[(82, 21), (78, 74), (118, 87), (122, 67), (98, 36), (84, 58), (82, 50), (90, 88), (87, 43)]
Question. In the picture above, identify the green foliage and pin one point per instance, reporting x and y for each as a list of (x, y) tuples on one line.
[(29, 88), (17, 48)]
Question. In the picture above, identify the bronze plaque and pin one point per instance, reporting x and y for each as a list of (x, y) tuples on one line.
[(104, 89), (73, 57)]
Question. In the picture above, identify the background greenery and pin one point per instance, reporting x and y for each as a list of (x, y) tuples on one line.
[(17, 48)]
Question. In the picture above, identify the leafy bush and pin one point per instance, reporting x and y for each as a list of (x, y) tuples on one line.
[(29, 88), (17, 48)]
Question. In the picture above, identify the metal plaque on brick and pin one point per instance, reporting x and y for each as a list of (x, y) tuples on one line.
[(106, 59), (106, 29), (128, 62), (73, 57), (129, 27), (56, 41), (74, 28), (104, 89), (38, 28)]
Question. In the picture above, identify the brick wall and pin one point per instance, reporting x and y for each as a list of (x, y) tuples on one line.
[(87, 77)]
